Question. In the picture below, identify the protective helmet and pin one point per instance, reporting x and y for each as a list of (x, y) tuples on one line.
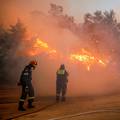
[(33, 62)]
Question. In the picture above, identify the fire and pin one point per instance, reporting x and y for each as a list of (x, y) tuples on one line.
[(82, 58), (36, 47), (86, 58), (40, 43), (88, 68), (100, 61), (39, 46)]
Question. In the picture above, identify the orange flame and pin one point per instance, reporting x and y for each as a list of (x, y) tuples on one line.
[(40, 44), (86, 58), (88, 68), (39, 47)]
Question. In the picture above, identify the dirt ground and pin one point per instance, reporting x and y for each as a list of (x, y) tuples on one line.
[(75, 108)]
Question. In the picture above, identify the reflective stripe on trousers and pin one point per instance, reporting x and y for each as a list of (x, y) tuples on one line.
[(22, 100), (31, 98)]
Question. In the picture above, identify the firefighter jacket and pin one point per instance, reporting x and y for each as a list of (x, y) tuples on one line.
[(26, 76), (62, 75)]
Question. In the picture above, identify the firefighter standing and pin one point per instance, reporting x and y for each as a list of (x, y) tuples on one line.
[(27, 88), (61, 83)]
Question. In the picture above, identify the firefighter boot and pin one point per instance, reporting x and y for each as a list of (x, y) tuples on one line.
[(30, 104), (63, 99), (57, 98), (21, 108)]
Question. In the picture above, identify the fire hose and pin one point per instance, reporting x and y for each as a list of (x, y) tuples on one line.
[(85, 113)]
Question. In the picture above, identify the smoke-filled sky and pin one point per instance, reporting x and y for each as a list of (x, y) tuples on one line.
[(12, 9), (63, 40)]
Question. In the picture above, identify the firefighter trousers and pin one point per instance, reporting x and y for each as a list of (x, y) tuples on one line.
[(27, 92), (61, 88)]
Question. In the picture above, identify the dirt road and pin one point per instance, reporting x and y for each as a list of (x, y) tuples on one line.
[(75, 108)]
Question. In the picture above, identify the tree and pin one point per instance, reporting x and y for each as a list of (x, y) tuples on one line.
[(55, 10), (10, 41), (64, 21), (102, 27)]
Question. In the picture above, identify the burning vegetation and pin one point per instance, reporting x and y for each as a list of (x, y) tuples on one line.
[(94, 42), (87, 58)]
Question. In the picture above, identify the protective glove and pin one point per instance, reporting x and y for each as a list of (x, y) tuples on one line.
[(19, 83), (26, 89)]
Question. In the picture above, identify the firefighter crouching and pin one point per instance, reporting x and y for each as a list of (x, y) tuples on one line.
[(61, 83), (27, 88)]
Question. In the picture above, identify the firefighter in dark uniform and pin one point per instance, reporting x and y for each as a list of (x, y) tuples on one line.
[(27, 88), (61, 83)]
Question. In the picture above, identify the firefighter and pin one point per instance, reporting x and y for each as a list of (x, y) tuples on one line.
[(61, 83), (27, 88)]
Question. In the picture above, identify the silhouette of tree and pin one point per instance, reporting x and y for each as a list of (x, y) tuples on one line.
[(10, 40)]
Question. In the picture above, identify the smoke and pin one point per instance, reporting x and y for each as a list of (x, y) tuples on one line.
[(10, 62), (62, 33), (98, 81)]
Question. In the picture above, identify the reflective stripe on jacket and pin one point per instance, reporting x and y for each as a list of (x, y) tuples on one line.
[(61, 72)]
